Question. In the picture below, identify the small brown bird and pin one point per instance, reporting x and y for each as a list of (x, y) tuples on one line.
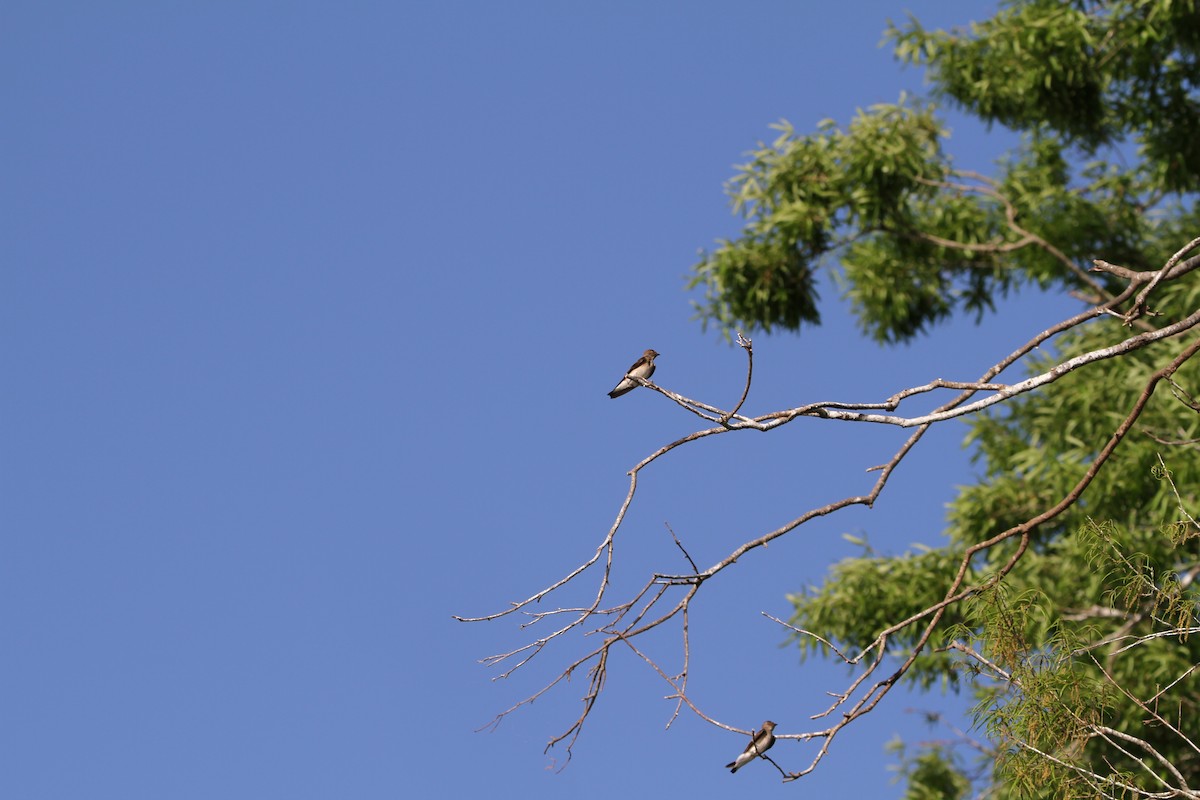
[(760, 743), (642, 368)]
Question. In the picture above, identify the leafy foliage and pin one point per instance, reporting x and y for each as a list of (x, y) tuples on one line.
[(1081, 660), (915, 239), (931, 774), (800, 193), (1094, 73)]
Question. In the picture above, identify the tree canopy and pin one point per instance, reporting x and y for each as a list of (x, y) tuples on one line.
[(1090, 86), (1076, 638), (1063, 594)]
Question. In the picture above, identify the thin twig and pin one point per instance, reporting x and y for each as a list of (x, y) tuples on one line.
[(748, 346)]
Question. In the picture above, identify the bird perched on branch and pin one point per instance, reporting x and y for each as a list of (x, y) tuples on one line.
[(760, 742), (642, 368)]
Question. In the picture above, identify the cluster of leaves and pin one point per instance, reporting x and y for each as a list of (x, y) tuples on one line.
[(864, 595), (915, 239), (800, 194), (1065, 688), (930, 773), (1092, 73)]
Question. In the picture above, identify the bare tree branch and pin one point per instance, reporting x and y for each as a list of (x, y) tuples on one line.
[(661, 599)]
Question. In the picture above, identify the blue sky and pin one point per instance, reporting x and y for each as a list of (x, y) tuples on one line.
[(309, 314)]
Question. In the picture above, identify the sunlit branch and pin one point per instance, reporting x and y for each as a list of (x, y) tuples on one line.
[(665, 596)]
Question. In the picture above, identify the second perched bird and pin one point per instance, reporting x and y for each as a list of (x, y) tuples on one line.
[(760, 743), (642, 368)]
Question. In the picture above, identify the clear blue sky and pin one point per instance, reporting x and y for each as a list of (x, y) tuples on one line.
[(309, 313)]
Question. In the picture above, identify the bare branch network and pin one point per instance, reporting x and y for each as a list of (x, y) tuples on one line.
[(666, 598)]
